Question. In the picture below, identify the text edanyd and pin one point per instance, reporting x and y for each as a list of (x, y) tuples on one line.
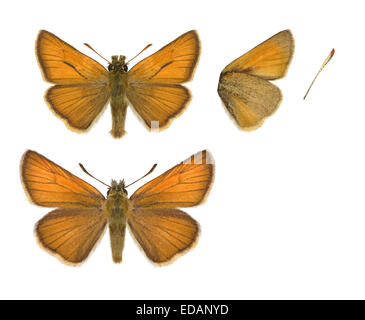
[(203, 309)]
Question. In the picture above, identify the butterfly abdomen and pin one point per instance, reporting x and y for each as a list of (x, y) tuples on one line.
[(118, 84), (117, 225)]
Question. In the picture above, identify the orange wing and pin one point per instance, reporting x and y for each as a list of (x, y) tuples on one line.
[(157, 105), (82, 89), (49, 185), (71, 234), (79, 105), (269, 60), (185, 185), (63, 64), (163, 233), (174, 63), (153, 84)]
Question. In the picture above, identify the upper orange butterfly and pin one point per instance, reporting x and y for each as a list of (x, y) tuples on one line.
[(83, 86)]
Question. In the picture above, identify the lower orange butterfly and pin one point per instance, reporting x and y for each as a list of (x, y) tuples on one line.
[(72, 230)]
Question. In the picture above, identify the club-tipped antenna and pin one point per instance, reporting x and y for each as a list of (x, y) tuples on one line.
[(90, 47), (153, 168), (146, 47), (83, 169), (323, 65)]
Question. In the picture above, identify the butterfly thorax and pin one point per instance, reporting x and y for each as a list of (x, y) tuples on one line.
[(117, 200), (118, 76), (117, 207)]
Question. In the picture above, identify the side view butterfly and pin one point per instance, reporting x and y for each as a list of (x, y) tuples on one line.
[(244, 87), (83, 86), (72, 230)]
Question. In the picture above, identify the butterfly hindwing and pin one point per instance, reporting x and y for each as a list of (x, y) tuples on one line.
[(157, 104), (78, 104), (163, 233), (249, 99), (71, 234)]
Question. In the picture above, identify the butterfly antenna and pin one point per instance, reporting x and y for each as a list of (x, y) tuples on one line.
[(153, 168), (139, 53), (96, 52), (323, 65), (83, 169)]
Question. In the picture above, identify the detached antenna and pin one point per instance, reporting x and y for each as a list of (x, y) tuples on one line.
[(139, 53), (83, 169), (96, 52), (153, 168), (323, 65)]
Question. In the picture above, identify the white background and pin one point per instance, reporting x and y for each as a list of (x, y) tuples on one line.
[(286, 215)]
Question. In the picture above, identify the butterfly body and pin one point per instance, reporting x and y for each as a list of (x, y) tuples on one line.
[(83, 87), (118, 82), (117, 208)]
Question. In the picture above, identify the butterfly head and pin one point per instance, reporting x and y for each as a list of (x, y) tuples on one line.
[(117, 189), (118, 64)]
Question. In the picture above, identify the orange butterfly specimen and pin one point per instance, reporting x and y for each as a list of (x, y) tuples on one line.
[(72, 230), (244, 87), (83, 86)]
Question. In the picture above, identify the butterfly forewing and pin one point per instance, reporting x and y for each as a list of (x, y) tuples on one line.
[(63, 64), (163, 233), (50, 185), (184, 185), (173, 64), (269, 60)]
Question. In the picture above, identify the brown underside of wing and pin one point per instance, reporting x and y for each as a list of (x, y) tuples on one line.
[(249, 99)]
